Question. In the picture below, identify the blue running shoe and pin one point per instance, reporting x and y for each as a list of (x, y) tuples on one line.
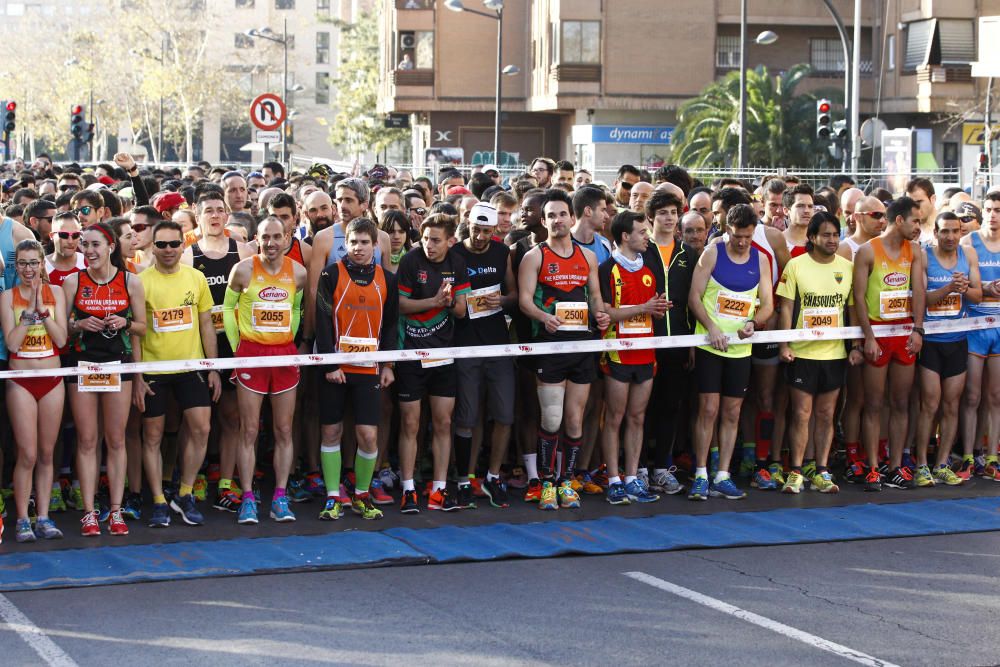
[(23, 531), (184, 505), (248, 512), (699, 489), (762, 480), (726, 489), (280, 511), (46, 529), (909, 461), (616, 494), (132, 508), (638, 493), (104, 513), (297, 492), (160, 517)]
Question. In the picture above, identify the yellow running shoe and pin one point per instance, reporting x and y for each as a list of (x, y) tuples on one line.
[(548, 499), (200, 487)]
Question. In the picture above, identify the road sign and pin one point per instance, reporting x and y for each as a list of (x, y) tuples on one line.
[(397, 121), (267, 136), (268, 112)]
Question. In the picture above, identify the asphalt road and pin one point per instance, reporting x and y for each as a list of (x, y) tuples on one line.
[(911, 601)]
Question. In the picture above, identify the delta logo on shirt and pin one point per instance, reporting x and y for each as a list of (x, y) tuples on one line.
[(272, 293)]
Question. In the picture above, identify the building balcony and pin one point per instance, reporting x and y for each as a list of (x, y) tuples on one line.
[(413, 77), (944, 74), (583, 72)]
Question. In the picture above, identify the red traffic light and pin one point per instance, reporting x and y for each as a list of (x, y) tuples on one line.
[(824, 107), (76, 109), (11, 106)]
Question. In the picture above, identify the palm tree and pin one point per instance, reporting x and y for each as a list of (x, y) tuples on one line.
[(780, 125)]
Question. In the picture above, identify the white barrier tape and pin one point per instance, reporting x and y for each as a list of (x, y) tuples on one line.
[(506, 350)]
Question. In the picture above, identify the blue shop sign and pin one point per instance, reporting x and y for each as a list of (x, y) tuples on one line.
[(622, 134)]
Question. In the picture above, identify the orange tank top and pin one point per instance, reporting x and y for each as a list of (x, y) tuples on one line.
[(37, 343), (357, 316)]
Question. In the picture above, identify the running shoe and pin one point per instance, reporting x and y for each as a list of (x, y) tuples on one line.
[(228, 501), (23, 531), (387, 477), (923, 477), (979, 465), (534, 492), (726, 489), (568, 498), (103, 510), (899, 478), (465, 498), (873, 480), (363, 506), (45, 528), (855, 473), (762, 480), (777, 473), (699, 489), (517, 478), (213, 474), (132, 508), (280, 511), (496, 491), (823, 482), (616, 494), (600, 476), (793, 483), (56, 502), (378, 494), (664, 481), (297, 492), (643, 474), (548, 499), (248, 512), (747, 468), (947, 476), (200, 487), (477, 487), (89, 526), (588, 486), (441, 500), (332, 511), (184, 505), (160, 517), (909, 461), (75, 499), (638, 492), (965, 469), (809, 470), (315, 485), (408, 503), (117, 525), (992, 471)]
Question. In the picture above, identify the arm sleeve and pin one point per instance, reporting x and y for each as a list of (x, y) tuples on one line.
[(229, 318), (139, 189), (325, 344), (389, 339), (296, 311)]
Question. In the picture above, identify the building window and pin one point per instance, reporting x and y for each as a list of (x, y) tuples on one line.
[(581, 42), (245, 4), (948, 42), (241, 41), (727, 51), (322, 48), (826, 55), (424, 50), (322, 88), (284, 4), (322, 5), (890, 48)]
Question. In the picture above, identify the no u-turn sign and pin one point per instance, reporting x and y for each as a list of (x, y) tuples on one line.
[(267, 112)]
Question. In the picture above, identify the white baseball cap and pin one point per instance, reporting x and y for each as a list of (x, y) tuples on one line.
[(483, 214)]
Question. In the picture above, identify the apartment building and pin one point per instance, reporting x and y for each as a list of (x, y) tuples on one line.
[(601, 80)]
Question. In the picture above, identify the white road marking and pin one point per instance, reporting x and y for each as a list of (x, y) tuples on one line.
[(33, 636), (756, 619)]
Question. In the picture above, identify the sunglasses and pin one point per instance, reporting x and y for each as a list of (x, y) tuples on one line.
[(84, 210), (68, 235), (167, 244), (418, 210), (68, 188), (875, 215), (626, 185), (140, 227), (967, 218)]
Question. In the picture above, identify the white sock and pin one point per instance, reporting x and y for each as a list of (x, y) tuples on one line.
[(531, 465), (490, 476), (437, 486), (701, 472), (408, 485), (721, 476), (614, 480), (629, 479)]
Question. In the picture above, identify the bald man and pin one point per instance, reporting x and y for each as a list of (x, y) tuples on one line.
[(641, 192), (701, 203), (694, 231), (848, 201)]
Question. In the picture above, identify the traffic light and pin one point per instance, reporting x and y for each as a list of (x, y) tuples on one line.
[(88, 133), (823, 129), (76, 124), (840, 129), (9, 115)]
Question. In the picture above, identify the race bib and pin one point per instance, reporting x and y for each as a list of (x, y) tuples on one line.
[(575, 315), (476, 302), (636, 325), (818, 318), (217, 321), (950, 306), (349, 344), (434, 363), (268, 317), (173, 319), (733, 305), (36, 343), (894, 304), (99, 382)]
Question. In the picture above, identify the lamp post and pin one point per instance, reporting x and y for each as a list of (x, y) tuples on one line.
[(764, 39), (268, 34), (510, 70)]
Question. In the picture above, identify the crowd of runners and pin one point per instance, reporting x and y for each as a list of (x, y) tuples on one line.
[(118, 263)]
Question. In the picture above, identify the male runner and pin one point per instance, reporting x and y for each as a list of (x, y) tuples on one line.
[(559, 290), (951, 281), (798, 201), (815, 289), (179, 312), (267, 289), (883, 270)]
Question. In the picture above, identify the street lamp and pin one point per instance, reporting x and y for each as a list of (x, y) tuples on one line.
[(268, 34), (496, 6), (765, 38)]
